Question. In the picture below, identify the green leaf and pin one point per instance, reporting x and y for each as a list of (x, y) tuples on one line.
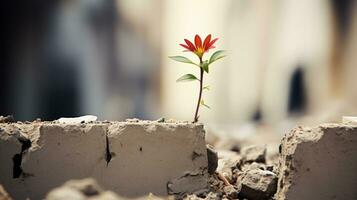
[(187, 77), (205, 66), (207, 87), (182, 59), (216, 56), (205, 105)]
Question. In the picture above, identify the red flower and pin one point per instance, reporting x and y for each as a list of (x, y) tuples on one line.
[(199, 49)]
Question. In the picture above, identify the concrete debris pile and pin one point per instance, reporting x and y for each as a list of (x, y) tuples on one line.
[(244, 175), (170, 159), (313, 163)]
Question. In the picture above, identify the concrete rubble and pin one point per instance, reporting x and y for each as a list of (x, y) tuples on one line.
[(319, 163), (88, 189), (170, 160), (131, 158), (254, 154), (257, 184)]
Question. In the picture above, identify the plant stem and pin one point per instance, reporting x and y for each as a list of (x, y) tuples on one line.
[(200, 94)]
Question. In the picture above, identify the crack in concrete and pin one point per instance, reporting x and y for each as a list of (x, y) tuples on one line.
[(108, 154), (17, 159)]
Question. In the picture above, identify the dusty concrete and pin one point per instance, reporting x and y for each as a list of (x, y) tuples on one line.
[(257, 184), (319, 163), (212, 157), (149, 155), (130, 158), (254, 153)]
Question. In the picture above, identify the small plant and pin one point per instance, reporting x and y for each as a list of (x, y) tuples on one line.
[(199, 49)]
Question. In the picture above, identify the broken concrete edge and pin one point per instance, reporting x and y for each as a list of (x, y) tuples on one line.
[(300, 135), (32, 142), (311, 134), (290, 144), (181, 186)]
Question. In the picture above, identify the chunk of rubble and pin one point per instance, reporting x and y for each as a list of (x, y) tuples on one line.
[(319, 163), (257, 184), (212, 157), (254, 154), (209, 196), (130, 158), (7, 119), (349, 120), (77, 120), (88, 189), (227, 165), (81, 190), (230, 192)]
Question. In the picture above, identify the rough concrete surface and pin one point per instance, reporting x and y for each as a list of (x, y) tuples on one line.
[(257, 184), (130, 158), (319, 163)]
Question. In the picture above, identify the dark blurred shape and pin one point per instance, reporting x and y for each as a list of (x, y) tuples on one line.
[(297, 93), (41, 66), (23, 24), (343, 11), (257, 117)]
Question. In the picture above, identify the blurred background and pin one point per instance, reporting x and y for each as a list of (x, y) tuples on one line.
[(289, 62)]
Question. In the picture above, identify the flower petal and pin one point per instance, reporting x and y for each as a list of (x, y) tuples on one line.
[(198, 42), (211, 47), (189, 44), (212, 42), (207, 41), (186, 47)]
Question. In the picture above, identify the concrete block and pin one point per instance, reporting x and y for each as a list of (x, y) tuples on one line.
[(148, 156), (131, 158), (319, 163)]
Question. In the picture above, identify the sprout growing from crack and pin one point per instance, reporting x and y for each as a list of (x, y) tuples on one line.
[(199, 49)]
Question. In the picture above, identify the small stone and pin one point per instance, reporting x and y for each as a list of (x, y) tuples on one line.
[(161, 120), (77, 120), (257, 184), (253, 165), (270, 168), (230, 192), (227, 165), (7, 119), (88, 186), (213, 196), (254, 154), (212, 157), (81, 190), (134, 120)]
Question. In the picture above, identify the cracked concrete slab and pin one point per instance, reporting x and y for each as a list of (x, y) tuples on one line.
[(146, 156), (319, 163), (130, 158)]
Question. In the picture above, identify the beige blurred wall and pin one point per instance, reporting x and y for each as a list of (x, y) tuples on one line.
[(265, 42)]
